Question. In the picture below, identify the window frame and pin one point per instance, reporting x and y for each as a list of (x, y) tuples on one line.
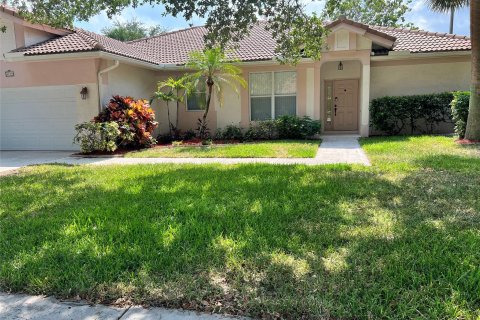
[(272, 93), (186, 103)]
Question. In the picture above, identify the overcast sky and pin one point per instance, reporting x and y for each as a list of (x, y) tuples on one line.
[(420, 15)]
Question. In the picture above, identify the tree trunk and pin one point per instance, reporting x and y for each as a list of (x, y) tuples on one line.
[(169, 122), (473, 122), (209, 98), (178, 108), (452, 16)]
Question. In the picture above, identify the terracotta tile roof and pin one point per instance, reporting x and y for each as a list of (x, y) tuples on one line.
[(173, 47), (82, 41), (417, 41)]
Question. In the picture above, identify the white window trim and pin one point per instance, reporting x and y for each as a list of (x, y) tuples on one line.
[(186, 103), (272, 94)]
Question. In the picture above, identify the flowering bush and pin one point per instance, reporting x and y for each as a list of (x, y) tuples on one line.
[(135, 119)]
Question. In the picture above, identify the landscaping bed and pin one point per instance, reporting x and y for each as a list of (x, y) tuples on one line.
[(397, 240)]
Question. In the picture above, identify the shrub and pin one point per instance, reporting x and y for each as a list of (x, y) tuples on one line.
[(165, 138), (293, 127), (289, 127), (262, 130), (310, 127), (460, 104), (188, 135), (135, 119), (93, 136), (393, 114), (230, 132)]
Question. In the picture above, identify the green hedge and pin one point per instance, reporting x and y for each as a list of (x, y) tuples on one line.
[(392, 115), (285, 127), (460, 104)]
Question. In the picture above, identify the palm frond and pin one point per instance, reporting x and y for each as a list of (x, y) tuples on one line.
[(447, 5)]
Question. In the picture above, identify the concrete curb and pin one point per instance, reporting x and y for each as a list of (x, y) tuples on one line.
[(26, 307)]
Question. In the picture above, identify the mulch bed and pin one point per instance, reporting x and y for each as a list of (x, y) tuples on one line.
[(467, 142)]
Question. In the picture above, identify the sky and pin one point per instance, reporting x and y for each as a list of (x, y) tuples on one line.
[(420, 15)]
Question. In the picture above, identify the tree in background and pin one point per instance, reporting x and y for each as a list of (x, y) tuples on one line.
[(387, 13), (448, 5), (473, 122), (131, 30), (213, 69)]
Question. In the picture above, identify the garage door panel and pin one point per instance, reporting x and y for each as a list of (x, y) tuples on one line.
[(40, 118)]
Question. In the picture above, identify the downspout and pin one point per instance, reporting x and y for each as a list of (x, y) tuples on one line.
[(99, 80)]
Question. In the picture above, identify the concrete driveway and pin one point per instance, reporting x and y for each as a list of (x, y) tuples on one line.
[(11, 160)]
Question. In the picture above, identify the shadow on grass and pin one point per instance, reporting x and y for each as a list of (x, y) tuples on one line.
[(267, 241)]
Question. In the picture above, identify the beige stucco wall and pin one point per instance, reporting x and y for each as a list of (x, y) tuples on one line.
[(49, 73), (230, 112), (7, 39), (418, 77), (422, 76)]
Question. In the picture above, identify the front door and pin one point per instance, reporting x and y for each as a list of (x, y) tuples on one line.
[(344, 105)]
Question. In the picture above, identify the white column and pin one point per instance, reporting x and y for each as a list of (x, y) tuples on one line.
[(365, 101), (310, 93)]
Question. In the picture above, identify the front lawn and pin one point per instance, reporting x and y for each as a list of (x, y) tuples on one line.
[(397, 240), (264, 149)]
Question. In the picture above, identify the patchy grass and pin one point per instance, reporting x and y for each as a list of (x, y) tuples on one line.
[(397, 240), (265, 149)]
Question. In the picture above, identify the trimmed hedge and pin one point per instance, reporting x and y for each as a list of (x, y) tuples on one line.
[(460, 104), (285, 127), (394, 114)]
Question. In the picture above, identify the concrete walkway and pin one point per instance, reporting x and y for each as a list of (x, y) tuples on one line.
[(25, 307), (341, 149), (12, 160), (334, 149)]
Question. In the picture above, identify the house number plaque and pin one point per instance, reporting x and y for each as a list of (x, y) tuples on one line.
[(9, 73)]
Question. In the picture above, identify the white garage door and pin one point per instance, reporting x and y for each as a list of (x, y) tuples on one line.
[(38, 118)]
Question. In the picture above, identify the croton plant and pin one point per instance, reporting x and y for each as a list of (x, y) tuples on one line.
[(136, 120)]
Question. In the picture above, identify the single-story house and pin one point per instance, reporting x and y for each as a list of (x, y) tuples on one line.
[(52, 79)]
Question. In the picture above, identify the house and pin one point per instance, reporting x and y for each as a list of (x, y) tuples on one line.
[(52, 79)]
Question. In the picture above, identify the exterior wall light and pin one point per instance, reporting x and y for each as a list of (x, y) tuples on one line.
[(84, 93), (340, 66)]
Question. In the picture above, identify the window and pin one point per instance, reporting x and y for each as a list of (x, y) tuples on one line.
[(272, 95), (197, 100)]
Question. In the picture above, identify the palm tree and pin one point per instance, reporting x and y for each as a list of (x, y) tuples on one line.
[(174, 86), (473, 122), (167, 97), (448, 6), (212, 67)]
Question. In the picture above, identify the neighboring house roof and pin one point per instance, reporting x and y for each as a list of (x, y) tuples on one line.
[(417, 41), (174, 47)]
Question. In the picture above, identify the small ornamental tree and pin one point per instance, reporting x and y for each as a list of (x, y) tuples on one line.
[(215, 70), (135, 118), (173, 88)]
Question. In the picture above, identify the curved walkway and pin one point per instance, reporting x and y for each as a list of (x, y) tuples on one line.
[(334, 149)]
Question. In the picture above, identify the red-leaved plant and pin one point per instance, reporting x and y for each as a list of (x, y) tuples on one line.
[(135, 118)]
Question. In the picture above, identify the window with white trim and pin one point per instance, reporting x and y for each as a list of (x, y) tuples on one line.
[(196, 100), (272, 95)]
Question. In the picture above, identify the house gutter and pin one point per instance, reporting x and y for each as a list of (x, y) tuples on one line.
[(99, 82)]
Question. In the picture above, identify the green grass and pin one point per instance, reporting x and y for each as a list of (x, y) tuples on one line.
[(397, 240), (266, 149)]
